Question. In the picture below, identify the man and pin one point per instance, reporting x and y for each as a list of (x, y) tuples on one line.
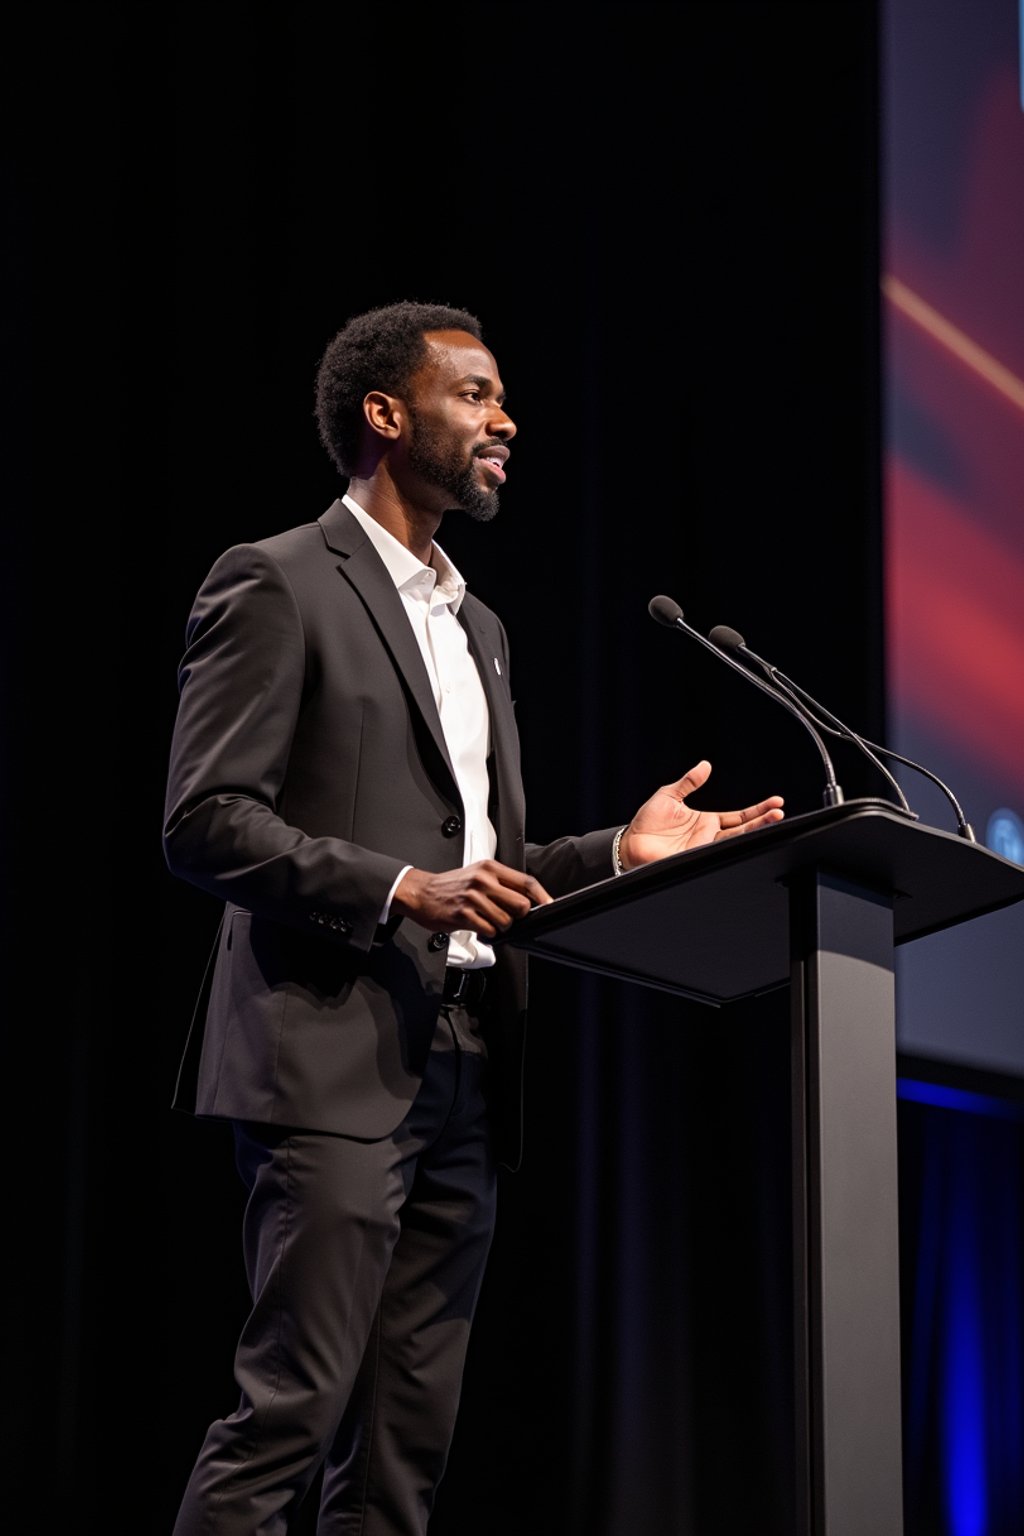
[(344, 774)]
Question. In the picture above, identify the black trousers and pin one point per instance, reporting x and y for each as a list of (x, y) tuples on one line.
[(364, 1261)]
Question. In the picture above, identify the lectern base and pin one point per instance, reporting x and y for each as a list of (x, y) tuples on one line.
[(846, 1254)]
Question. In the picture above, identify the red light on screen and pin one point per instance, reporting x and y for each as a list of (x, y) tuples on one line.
[(954, 599)]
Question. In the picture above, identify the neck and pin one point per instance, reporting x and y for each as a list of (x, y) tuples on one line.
[(412, 526)]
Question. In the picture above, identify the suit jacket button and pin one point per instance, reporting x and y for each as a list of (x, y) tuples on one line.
[(451, 825), (437, 941), (341, 925)]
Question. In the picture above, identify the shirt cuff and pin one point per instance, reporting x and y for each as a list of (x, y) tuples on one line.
[(386, 909)]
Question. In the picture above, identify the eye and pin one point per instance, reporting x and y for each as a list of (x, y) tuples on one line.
[(472, 394)]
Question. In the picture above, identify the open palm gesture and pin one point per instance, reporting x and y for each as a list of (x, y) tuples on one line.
[(665, 824)]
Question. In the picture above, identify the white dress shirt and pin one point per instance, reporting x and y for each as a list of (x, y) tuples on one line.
[(431, 595)]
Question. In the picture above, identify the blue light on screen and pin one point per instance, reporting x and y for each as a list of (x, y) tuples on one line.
[(1004, 833), (966, 1328)]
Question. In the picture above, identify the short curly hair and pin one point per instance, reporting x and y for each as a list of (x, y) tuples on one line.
[(379, 349)]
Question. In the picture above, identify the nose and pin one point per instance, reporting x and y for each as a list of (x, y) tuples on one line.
[(501, 423)]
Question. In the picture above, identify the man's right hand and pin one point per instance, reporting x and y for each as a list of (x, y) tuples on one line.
[(485, 898)]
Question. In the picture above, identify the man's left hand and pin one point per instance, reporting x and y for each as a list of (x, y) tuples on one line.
[(665, 824)]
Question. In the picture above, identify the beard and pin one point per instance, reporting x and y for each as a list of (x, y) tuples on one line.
[(437, 459)]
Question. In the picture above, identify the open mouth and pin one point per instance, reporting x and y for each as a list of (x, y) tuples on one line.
[(494, 458)]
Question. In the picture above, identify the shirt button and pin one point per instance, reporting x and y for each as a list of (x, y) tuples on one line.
[(451, 825)]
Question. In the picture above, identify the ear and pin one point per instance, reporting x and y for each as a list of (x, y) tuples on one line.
[(384, 413)]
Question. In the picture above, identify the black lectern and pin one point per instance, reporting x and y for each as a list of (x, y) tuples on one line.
[(817, 903)]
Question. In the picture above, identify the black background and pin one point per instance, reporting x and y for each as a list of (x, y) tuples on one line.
[(666, 218)]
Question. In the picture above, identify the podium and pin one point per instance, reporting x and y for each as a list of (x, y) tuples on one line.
[(817, 903)]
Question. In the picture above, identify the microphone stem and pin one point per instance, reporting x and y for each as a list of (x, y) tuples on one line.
[(833, 793), (836, 728), (963, 825)]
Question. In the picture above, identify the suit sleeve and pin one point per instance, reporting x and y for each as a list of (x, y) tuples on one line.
[(241, 683), (570, 863)]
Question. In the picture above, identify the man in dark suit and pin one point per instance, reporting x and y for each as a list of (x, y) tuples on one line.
[(344, 774)]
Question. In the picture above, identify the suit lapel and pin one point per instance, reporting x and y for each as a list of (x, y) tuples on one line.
[(363, 568), (485, 649), (485, 654)]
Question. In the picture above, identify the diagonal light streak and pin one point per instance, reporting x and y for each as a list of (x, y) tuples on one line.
[(948, 335)]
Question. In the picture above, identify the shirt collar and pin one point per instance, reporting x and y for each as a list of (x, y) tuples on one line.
[(405, 570)]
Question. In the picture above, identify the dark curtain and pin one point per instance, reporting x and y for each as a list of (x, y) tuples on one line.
[(665, 216)]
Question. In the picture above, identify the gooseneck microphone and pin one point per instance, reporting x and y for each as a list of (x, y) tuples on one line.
[(735, 645), (668, 612)]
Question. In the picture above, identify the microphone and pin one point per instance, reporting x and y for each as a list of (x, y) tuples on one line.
[(667, 612), (735, 645)]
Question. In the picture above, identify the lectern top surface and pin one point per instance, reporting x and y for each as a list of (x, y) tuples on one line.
[(714, 923)]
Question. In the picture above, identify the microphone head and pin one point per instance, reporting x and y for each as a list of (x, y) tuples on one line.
[(664, 610), (726, 639)]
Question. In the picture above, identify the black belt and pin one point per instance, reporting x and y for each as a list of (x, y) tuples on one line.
[(464, 986)]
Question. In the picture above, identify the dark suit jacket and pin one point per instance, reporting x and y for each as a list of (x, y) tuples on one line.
[(307, 767)]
